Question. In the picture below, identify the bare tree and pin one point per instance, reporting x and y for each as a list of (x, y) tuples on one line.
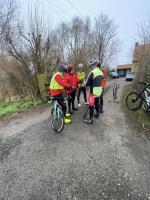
[(7, 11), (84, 43), (29, 45), (144, 62), (105, 32), (75, 38), (144, 31)]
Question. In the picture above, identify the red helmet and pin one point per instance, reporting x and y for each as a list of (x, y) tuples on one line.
[(71, 67)]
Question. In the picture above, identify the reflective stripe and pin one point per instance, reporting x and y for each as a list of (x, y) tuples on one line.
[(54, 85)]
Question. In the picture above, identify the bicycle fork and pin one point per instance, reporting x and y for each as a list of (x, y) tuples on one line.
[(56, 112)]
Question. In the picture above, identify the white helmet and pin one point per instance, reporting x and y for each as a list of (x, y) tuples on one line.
[(80, 65), (92, 62)]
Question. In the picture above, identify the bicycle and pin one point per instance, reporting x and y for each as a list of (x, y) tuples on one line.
[(115, 90), (135, 100), (57, 115)]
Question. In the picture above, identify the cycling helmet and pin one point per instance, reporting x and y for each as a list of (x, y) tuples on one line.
[(80, 65), (71, 67), (92, 63), (62, 68)]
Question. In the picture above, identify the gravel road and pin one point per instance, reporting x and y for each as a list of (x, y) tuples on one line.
[(107, 160)]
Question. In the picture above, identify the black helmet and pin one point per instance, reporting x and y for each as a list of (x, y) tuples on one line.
[(63, 69)]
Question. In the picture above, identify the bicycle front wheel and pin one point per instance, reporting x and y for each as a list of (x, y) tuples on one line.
[(114, 90), (87, 114), (57, 120), (134, 101)]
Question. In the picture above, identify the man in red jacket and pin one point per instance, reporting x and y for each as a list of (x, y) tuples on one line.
[(57, 86), (72, 79)]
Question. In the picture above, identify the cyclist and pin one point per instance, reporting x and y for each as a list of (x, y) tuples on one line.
[(104, 72), (94, 81), (81, 84), (72, 79), (57, 86)]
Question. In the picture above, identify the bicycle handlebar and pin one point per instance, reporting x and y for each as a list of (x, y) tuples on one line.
[(58, 98)]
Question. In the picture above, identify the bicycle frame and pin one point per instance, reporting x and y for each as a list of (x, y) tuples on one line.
[(145, 97), (56, 108)]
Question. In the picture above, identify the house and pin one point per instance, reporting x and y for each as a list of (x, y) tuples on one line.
[(124, 69), (140, 51)]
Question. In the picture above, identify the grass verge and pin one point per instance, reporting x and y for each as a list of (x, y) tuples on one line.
[(139, 119), (7, 109)]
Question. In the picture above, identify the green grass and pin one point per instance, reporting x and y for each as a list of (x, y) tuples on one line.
[(10, 108), (140, 118)]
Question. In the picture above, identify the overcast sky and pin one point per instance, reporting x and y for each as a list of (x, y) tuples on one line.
[(125, 13)]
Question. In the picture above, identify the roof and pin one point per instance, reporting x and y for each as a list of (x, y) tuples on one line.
[(125, 66), (140, 51)]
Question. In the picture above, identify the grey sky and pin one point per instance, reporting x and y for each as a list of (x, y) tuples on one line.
[(126, 14)]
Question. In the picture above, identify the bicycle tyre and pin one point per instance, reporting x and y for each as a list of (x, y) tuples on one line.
[(135, 98), (114, 90), (59, 116), (87, 114)]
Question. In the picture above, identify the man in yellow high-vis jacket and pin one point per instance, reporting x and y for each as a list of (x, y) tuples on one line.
[(94, 81)]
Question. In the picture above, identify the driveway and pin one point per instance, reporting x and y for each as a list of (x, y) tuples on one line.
[(106, 160)]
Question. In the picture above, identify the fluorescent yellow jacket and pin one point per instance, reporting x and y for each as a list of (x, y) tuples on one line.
[(94, 80), (81, 77), (54, 85)]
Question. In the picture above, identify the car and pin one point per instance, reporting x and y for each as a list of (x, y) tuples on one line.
[(114, 75), (130, 76)]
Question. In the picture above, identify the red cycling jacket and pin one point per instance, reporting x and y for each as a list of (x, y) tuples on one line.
[(104, 80), (62, 82), (72, 80), (105, 73)]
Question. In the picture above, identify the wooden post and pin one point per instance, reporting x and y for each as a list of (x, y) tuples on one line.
[(42, 80)]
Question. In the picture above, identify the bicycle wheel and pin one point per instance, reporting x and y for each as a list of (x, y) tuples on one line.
[(134, 101), (57, 119), (87, 114), (114, 90)]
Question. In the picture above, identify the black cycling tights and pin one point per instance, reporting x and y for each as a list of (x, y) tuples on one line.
[(84, 93), (71, 100), (62, 103), (97, 107)]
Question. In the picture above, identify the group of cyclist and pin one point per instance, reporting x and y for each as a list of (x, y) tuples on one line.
[(67, 82)]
